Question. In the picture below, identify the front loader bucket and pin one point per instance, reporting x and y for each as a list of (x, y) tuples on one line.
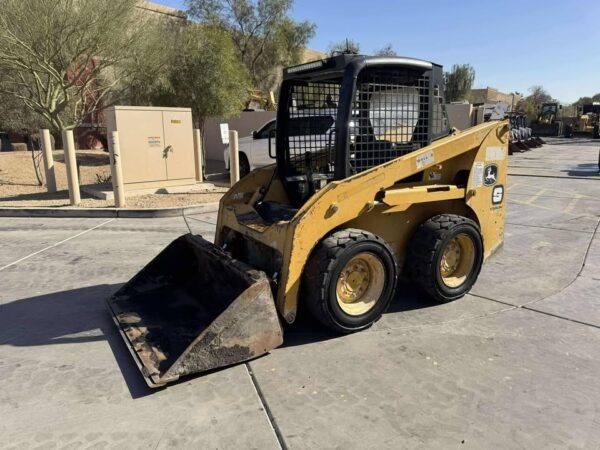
[(193, 308)]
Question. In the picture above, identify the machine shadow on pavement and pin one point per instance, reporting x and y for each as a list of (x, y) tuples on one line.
[(584, 170), (81, 315), (69, 317), (572, 142), (307, 330)]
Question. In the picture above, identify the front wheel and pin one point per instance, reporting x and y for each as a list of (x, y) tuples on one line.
[(445, 256), (350, 280)]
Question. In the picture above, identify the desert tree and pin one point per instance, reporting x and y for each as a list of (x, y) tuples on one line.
[(387, 50), (459, 82), (205, 74), (344, 46), (63, 59), (17, 119), (263, 34), (531, 104), (587, 100)]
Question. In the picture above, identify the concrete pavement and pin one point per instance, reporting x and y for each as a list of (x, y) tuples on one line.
[(514, 364)]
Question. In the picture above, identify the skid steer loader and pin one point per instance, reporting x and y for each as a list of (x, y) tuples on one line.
[(548, 121), (387, 190), (587, 121)]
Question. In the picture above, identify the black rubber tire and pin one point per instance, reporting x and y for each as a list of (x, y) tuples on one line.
[(322, 271), (244, 165), (568, 131), (596, 132), (425, 251)]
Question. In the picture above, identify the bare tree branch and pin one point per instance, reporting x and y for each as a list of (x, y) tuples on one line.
[(62, 58)]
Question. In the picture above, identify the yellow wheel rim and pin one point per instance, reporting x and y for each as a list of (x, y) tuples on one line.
[(458, 259), (360, 284)]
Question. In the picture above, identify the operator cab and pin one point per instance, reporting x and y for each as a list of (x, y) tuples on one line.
[(381, 107)]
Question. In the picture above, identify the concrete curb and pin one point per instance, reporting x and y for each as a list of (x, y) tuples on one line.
[(110, 212)]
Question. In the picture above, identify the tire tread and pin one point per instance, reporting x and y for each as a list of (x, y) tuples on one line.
[(422, 250), (322, 263)]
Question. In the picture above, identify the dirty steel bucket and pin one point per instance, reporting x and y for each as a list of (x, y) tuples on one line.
[(193, 308)]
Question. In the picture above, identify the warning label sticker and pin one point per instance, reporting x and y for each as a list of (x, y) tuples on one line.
[(425, 159), (477, 174), (154, 141), (494, 154)]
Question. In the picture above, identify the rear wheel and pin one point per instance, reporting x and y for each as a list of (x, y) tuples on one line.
[(568, 131), (596, 132), (350, 280), (445, 256)]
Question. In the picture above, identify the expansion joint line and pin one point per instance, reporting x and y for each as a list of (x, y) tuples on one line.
[(265, 405), (54, 245)]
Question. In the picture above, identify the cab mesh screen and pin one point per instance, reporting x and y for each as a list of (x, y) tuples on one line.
[(390, 117), (310, 130)]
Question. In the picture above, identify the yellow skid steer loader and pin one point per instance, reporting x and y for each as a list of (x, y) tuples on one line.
[(369, 184)]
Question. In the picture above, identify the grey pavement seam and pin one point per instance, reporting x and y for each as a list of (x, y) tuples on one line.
[(109, 212), (587, 250), (55, 245), (200, 220), (444, 322), (560, 317), (513, 306), (548, 228), (586, 198), (186, 223), (553, 176), (582, 266), (524, 306), (265, 406)]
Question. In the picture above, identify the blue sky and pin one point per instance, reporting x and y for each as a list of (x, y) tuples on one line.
[(513, 45)]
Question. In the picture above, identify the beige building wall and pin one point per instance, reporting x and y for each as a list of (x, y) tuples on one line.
[(311, 55), (245, 123), (493, 95), (460, 115), (162, 11)]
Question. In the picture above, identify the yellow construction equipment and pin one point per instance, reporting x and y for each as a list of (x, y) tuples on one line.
[(261, 100), (587, 121), (370, 183), (548, 121)]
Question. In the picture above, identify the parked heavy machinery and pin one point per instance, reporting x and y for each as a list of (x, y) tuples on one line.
[(531, 139), (548, 121), (391, 189), (587, 121), (262, 100), (495, 111), (519, 137)]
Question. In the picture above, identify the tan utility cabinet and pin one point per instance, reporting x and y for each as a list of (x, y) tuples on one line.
[(157, 145)]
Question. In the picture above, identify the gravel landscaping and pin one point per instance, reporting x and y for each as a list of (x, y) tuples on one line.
[(19, 186)]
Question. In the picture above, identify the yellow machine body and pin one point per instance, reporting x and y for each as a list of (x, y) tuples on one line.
[(392, 170), (380, 200)]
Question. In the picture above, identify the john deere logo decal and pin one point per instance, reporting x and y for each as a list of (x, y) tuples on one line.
[(490, 174)]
